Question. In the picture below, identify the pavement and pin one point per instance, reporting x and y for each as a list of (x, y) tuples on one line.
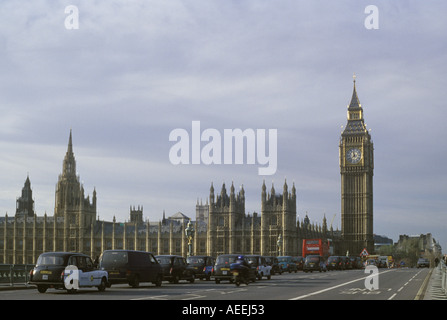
[(434, 290), (16, 286)]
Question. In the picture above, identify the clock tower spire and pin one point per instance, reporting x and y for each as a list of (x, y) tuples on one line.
[(356, 170)]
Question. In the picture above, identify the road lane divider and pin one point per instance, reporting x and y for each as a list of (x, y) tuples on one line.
[(421, 293), (334, 287)]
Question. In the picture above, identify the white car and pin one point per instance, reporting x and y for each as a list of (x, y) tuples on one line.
[(262, 267)]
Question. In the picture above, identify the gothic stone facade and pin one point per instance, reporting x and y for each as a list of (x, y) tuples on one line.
[(221, 226), (23, 238)]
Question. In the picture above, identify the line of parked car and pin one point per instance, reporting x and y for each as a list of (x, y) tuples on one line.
[(56, 269), (71, 271), (344, 263)]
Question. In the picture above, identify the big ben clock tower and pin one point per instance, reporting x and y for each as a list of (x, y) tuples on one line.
[(356, 169)]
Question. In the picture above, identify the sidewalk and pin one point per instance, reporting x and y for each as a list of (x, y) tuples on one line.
[(434, 290), (16, 286)]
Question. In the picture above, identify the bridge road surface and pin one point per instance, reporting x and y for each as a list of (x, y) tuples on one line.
[(394, 284)]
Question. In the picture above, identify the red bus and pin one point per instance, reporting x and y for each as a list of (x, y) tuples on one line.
[(317, 247)]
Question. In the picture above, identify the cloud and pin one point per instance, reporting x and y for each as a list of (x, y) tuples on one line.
[(134, 71)]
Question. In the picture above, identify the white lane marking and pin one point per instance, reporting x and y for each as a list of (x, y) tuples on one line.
[(334, 287)]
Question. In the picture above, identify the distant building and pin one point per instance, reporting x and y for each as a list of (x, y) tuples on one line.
[(425, 242), (380, 241)]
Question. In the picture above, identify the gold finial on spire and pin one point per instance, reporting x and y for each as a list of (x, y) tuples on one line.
[(354, 77)]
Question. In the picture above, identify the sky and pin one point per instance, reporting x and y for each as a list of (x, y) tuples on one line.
[(134, 71)]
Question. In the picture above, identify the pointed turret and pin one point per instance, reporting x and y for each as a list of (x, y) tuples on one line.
[(242, 192), (69, 165), (70, 144), (355, 103), (293, 191), (355, 123), (324, 225), (211, 194), (25, 204)]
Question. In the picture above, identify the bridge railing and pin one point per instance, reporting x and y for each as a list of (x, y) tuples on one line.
[(444, 276), (13, 274)]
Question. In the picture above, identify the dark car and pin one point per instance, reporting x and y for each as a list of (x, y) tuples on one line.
[(132, 267), (335, 263), (423, 263), (299, 261), (273, 261), (175, 268), (202, 266), (356, 262), (314, 263), (222, 269), (346, 262), (66, 270), (287, 264)]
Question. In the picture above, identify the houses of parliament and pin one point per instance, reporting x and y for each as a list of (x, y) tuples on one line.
[(221, 225)]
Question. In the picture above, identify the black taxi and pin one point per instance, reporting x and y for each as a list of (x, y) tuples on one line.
[(66, 270)]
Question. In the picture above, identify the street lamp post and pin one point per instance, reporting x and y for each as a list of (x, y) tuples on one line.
[(279, 244), (189, 231)]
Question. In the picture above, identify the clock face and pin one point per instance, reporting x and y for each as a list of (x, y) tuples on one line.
[(353, 155)]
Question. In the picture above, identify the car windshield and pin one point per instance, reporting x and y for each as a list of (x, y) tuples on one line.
[(226, 259), (284, 259), (333, 259), (164, 260), (50, 260), (195, 260), (114, 258), (312, 259), (252, 260)]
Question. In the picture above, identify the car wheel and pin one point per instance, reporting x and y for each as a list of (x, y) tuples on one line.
[(217, 281), (135, 282), (103, 285), (192, 279), (158, 281), (176, 279), (42, 289)]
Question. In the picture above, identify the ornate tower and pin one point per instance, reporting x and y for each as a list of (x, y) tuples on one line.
[(136, 214), (278, 218), (226, 216), (78, 212), (356, 169), (25, 204)]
